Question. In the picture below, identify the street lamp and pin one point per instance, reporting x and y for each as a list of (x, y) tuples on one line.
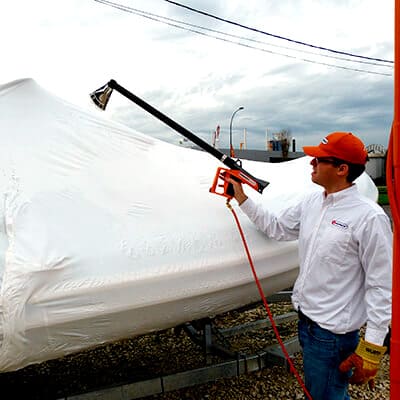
[(231, 152)]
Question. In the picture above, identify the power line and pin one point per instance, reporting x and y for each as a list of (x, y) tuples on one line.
[(140, 12), (156, 18), (273, 35)]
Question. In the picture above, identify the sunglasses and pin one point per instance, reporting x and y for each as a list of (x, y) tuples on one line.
[(326, 160)]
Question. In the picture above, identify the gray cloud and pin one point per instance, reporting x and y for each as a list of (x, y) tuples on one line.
[(310, 100), (310, 105)]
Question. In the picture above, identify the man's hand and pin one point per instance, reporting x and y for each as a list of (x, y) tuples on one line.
[(364, 362), (239, 194)]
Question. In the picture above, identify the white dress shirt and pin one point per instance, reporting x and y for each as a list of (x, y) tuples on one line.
[(345, 257)]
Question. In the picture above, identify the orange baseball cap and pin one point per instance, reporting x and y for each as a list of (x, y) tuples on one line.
[(342, 145)]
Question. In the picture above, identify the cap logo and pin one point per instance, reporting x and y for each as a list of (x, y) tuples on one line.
[(324, 140)]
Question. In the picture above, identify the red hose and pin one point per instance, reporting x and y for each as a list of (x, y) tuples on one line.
[(293, 369)]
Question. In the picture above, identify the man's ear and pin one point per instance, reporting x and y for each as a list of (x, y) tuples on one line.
[(343, 170)]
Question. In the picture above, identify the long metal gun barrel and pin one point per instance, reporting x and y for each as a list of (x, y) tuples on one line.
[(101, 97)]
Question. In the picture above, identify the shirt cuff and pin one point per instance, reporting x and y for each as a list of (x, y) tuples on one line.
[(375, 336), (246, 206)]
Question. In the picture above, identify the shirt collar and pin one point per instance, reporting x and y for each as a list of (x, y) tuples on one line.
[(333, 198)]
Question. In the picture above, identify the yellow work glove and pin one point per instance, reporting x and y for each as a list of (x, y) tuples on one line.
[(364, 362)]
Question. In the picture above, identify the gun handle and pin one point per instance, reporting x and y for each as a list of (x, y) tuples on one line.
[(220, 184)]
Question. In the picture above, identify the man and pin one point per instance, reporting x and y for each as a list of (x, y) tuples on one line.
[(344, 281)]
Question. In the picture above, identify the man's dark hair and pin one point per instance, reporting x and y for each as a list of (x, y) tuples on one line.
[(355, 170)]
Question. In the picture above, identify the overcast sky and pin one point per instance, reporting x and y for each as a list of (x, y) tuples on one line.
[(71, 47)]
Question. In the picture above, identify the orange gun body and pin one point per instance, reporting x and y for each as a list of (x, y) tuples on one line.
[(222, 187)]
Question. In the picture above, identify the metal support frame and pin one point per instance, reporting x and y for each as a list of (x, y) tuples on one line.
[(214, 341), (209, 338)]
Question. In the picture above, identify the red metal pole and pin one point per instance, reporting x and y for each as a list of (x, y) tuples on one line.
[(394, 185)]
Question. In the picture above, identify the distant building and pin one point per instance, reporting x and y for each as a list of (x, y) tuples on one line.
[(264, 155), (376, 166)]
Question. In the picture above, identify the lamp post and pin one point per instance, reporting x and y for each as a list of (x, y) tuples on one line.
[(231, 153)]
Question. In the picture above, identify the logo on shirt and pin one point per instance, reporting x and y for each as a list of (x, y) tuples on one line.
[(339, 224)]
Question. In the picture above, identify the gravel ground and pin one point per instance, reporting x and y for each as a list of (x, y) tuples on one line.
[(275, 382)]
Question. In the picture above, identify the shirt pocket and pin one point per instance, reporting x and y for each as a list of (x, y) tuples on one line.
[(334, 244)]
